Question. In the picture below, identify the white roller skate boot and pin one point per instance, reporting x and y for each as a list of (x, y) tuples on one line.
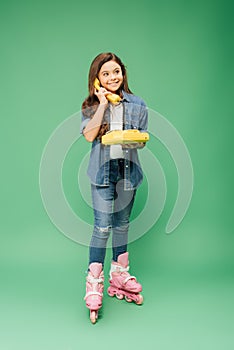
[(94, 290), (122, 284)]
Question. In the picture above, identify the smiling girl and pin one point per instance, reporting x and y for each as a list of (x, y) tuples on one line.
[(115, 174)]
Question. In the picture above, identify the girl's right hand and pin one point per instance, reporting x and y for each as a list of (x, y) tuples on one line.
[(101, 95)]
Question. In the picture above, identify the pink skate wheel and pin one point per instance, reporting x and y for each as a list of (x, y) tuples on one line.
[(119, 296), (139, 300), (93, 316), (129, 300), (110, 293)]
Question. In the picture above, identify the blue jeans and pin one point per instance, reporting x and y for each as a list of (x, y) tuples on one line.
[(112, 207)]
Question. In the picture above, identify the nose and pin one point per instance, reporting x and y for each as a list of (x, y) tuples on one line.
[(112, 76)]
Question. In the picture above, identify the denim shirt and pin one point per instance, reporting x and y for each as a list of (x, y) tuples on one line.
[(135, 116)]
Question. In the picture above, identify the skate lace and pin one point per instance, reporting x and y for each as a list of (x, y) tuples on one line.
[(92, 292), (93, 280), (129, 278), (118, 268), (123, 271)]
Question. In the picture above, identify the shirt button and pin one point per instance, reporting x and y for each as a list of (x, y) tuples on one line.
[(126, 151), (126, 166)]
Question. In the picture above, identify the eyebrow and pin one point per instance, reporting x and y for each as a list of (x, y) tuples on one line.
[(107, 71)]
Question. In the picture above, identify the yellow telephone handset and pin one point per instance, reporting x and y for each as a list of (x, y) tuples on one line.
[(113, 98)]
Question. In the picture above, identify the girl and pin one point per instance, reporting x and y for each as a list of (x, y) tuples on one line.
[(115, 174)]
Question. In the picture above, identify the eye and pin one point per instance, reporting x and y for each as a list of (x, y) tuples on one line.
[(117, 71), (105, 74)]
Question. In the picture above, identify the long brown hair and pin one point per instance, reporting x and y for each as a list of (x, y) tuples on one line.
[(91, 103)]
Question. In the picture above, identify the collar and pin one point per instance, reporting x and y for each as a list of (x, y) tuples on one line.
[(125, 96)]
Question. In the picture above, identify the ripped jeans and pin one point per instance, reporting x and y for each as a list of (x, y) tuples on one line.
[(112, 207)]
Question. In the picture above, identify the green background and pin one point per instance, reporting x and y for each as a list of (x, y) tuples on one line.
[(179, 56)]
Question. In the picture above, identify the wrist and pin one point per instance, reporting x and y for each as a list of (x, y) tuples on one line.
[(103, 105)]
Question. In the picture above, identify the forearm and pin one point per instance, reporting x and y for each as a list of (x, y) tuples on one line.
[(92, 128)]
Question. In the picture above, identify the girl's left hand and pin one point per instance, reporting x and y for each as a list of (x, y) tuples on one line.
[(133, 145)]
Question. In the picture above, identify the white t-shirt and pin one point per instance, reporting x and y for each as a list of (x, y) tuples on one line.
[(116, 123)]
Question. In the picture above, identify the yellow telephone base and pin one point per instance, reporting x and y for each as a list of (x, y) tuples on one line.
[(116, 137)]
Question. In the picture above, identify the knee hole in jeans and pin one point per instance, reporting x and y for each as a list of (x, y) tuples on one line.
[(122, 228), (102, 232)]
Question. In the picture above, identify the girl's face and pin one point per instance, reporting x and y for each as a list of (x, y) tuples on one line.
[(110, 76)]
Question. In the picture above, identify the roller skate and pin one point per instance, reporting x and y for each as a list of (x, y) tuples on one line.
[(122, 284), (94, 290)]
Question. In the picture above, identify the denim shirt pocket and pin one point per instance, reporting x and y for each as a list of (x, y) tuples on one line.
[(132, 113)]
